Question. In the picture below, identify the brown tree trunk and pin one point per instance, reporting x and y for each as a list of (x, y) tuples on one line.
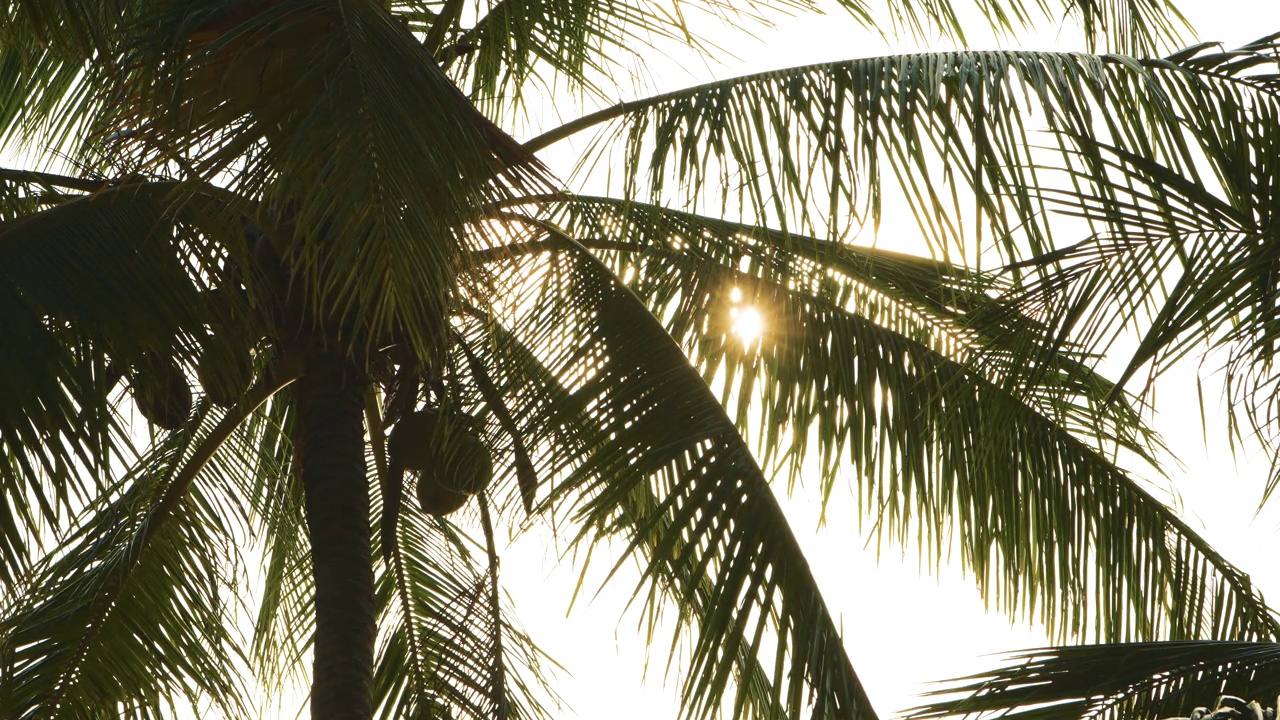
[(330, 439)]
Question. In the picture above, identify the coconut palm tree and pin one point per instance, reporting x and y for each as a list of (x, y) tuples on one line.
[(289, 273)]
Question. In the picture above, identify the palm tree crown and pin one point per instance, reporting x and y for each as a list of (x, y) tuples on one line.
[(300, 298)]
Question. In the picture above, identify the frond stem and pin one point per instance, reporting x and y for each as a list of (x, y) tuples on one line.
[(499, 665)]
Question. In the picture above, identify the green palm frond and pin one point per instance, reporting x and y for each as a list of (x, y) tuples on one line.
[(1106, 682), (88, 287), (44, 50), (756, 694), (114, 616), (140, 600), (686, 267), (576, 40), (942, 452), (267, 189), (407, 157), (513, 42), (450, 645), (285, 620), (635, 417), (1182, 249), (811, 149)]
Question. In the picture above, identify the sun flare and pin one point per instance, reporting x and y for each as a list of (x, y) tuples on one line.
[(748, 325)]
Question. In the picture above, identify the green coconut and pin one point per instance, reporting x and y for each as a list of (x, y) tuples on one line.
[(443, 450), (435, 499), (224, 369), (466, 464), (412, 440), (162, 394)]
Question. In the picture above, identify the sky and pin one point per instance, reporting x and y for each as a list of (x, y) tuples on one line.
[(904, 627)]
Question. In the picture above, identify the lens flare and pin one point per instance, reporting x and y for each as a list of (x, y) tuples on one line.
[(748, 325)]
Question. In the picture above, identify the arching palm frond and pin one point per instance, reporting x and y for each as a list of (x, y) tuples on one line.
[(870, 380), (450, 646), (809, 149), (756, 694), (688, 267), (451, 641), (1107, 682), (88, 286), (130, 613), (1183, 250), (606, 434), (513, 42), (1183, 253)]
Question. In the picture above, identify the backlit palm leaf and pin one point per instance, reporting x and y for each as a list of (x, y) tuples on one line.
[(586, 452), (894, 389), (1105, 682), (808, 149)]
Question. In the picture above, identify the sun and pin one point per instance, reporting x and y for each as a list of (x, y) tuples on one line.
[(748, 325), (746, 322)]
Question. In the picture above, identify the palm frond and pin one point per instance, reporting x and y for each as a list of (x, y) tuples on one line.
[(685, 266), (449, 644), (88, 287), (757, 696), (108, 619), (993, 466), (1182, 247), (577, 40), (1106, 682), (407, 157), (811, 149), (733, 569), (514, 42)]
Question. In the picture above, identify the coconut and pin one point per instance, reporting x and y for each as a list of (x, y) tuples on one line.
[(162, 394), (467, 466), (436, 499), (443, 449), (225, 370), (412, 440)]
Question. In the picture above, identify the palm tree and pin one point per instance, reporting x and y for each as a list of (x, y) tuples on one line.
[(378, 292)]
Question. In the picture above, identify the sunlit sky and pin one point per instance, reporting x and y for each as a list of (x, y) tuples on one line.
[(904, 627)]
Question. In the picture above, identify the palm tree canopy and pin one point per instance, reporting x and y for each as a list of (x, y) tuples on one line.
[(263, 186)]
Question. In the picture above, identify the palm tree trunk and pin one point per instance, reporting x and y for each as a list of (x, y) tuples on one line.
[(330, 439)]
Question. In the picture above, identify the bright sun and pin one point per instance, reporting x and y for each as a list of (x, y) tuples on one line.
[(747, 324)]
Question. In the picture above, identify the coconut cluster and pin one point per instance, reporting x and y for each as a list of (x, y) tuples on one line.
[(161, 390), (450, 461)]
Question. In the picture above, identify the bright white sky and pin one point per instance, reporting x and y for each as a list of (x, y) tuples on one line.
[(903, 627)]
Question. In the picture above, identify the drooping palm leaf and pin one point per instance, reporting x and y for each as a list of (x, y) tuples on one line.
[(449, 647), (809, 149), (85, 285), (1182, 249), (686, 587), (513, 42), (449, 642), (873, 381), (688, 266), (1106, 682)]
